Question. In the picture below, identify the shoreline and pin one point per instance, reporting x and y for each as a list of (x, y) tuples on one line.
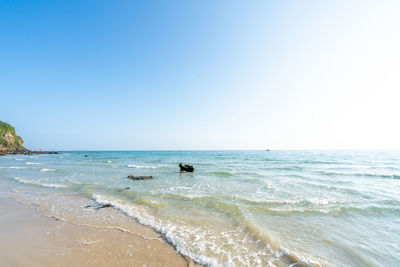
[(25, 152), (243, 209), (81, 207), (32, 238)]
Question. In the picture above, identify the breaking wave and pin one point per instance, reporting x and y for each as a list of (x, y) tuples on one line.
[(195, 241), (143, 166), (14, 167), (48, 170), (35, 182)]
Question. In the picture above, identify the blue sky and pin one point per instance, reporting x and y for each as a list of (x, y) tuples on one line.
[(126, 75)]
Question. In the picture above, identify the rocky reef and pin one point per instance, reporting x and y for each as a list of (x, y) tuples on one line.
[(139, 177), (10, 143)]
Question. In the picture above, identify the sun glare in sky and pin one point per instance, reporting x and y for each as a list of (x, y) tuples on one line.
[(201, 74)]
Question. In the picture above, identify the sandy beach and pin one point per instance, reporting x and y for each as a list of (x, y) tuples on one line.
[(29, 238)]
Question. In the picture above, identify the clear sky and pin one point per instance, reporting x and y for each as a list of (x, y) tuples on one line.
[(130, 75)]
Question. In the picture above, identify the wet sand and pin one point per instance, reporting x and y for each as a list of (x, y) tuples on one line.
[(28, 238)]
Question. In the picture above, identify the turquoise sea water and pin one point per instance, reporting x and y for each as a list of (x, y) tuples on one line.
[(239, 208)]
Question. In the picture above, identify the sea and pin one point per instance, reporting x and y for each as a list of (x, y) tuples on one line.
[(238, 208)]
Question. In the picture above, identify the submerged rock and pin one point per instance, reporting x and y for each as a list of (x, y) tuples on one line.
[(139, 177), (99, 206), (186, 168)]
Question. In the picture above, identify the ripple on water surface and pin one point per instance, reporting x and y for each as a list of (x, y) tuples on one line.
[(239, 208)]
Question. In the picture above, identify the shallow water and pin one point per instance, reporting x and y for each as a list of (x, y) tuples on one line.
[(239, 208)]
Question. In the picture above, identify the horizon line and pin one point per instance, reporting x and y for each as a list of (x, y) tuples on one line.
[(266, 150)]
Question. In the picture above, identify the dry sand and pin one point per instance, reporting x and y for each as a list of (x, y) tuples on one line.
[(28, 238)]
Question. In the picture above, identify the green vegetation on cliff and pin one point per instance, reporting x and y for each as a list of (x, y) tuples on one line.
[(8, 140)]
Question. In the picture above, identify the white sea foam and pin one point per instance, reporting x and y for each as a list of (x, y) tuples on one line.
[(35, 182), (165, 228), (13, 167), (143, 166), (317, 201), (197, 241), (48, 170), (34, 163)]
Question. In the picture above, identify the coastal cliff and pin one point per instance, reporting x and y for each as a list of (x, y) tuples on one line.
[(9, 141)]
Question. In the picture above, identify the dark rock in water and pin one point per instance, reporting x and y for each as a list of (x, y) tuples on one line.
[(139, 177), (186, 168), (127, 188), (102, 206), (85, 156), (99, 206)]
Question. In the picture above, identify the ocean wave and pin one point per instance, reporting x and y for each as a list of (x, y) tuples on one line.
[(327, 162), (13, 167), (226, 201), (230, 209), (224, 173), (143, 166), (143, 217), (35, 182), (48, 170), (34, 163), (370, 210), (333, 210), (208, 245), (174, 234), (283, 168), (309, 202), (360, 174), (234, 205)]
